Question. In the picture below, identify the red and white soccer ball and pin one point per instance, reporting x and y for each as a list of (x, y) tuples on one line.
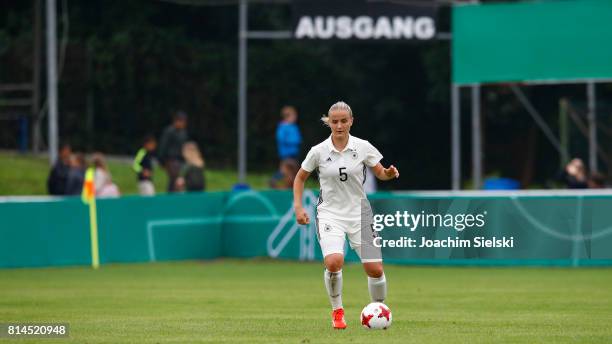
[(376, 316)]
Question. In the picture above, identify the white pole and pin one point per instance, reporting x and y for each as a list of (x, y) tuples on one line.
[(242, 89), (52, 80)]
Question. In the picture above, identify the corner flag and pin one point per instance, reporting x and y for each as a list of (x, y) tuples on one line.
[(89, 197)]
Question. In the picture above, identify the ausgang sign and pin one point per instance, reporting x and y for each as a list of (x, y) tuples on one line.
[(362, 20)]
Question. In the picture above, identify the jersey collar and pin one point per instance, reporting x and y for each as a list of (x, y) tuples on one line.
[(350, 145)]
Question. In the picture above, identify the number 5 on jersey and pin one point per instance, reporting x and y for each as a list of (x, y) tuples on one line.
[(343, 175)]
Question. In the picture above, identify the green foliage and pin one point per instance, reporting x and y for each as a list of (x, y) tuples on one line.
[(129, 64)]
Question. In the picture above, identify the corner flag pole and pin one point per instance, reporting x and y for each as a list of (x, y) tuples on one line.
[(89, 197), (93, 224)]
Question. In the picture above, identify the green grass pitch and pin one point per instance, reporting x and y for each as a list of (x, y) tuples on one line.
[(262, 301)]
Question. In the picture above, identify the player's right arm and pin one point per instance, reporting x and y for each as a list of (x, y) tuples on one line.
[(298, 190)]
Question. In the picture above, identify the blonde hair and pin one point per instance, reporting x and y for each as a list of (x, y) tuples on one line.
[(192, 154), (337, 106)]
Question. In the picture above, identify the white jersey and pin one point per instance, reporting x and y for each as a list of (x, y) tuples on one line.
[(341, 176)]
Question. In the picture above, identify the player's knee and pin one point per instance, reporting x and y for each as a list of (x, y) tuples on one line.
[(334, 262), (334, 266), (374, 270)]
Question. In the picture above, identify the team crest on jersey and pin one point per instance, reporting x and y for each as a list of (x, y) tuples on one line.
[(354, 155), (327, 228)]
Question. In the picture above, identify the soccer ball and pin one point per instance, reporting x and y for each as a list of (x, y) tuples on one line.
[(376, 316)]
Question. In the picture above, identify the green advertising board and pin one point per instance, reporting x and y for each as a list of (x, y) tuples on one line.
[(548, 229), (541, 41)]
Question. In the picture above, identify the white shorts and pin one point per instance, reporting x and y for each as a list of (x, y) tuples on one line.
[(331, 235)]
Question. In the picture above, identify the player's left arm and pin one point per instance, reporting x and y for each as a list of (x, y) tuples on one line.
[(383, 173)]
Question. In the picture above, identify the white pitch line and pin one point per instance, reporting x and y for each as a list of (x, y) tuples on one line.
[(174, 222)]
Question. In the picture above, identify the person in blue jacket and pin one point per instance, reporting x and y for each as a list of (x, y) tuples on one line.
[(288, 137)]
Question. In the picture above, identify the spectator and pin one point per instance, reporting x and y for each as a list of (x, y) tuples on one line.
[(288, 138), (143, 166), (288, 171), (574, 175), (56, 182), (170, 148), (76, 174), (192, 174), (102, 178), (597, 181)]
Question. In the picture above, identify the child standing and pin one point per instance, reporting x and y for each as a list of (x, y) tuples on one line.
[(143, 166)]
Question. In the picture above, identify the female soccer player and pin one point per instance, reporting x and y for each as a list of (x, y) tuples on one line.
[(340, 162)]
